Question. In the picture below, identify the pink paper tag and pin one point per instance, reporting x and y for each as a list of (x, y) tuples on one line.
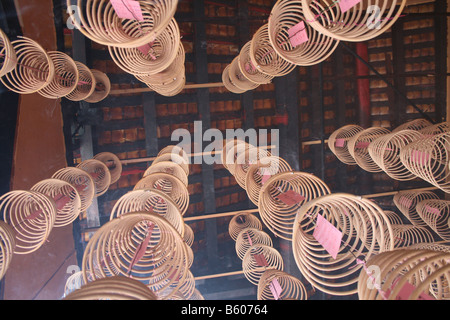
[(346, 5), (249, 239), (433, 210), (406, 291), (141, 248), (260, 260), (128, 9), (249, 67), (328, 236), (340, 143), (362, 145), (275, 288), (265, 176), (298, 34), (291, 197), (144, 49), (420, 157)]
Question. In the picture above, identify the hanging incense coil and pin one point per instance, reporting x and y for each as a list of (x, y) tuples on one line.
[(196, 295), (81, 181), (281, 197), (7, 247), (170, 185), (387, 150), (173, 87), (435, 129), (294, 39), (241, 221), (442, 246), (34, 68), (436, 214), (188, 286), (151, 58), (358, 148), (360, 228), (356, 24), (408, 235), (417, 124), (245, 160), (279, 285), (231, 152), (175, 158), (259, 172), (188, 235), (248, 237), (32, 215), (113, 163), (405, 274), (113, 288), (86, 84), (66, 198), (265, 58), (168, 167), (406, 202), (393, 217), (258, 259), (141, 245), (229, 85), (175, 150), (102, 87), (99, 21), (100, 175), (8, 54), (238, 79), (149, 200), (190, 256), (339, 143), (247, 68)]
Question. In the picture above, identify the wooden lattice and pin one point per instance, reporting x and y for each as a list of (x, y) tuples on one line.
[(279, 285)]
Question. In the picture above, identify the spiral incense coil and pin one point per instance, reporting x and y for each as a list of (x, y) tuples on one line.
[(113, 163), (190, 256), (417, 124), (66, 197), (393, 217), (408, 235), (188, 235), (241, 221), (355, 226), (175, 158), (175, 150), (81, 181), (435, 129), (279, 285), (436, 214), (168, 167), (258, 259), (245, 160), (229, 85), (141, 245), (247, 68), (406, 202), (188, 286), (34, 68), (238, 79), (294, 39), (248, 237), (232, 151), (442, 246), (149, 200), (358, 23), (7, 247), (265, 58), (32, 215), (170, 185), (259, 172), (98, 20), (85, 86), (100, 175), (405, 274), (7, 54), (74, 282), (113, 288), (102, 87), (172, 88), (339, 143), (358, 148), (196, 296), (281, 197)]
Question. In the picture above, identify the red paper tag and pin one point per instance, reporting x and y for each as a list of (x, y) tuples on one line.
[(420, 157), (34, 215), (275, 288), (142, 247), (127, 9), (406, 291), (298, 34), (265, 175), (249, 67), (61, 200), (362, 145), (260, 260), (346, 5), (433, 210), (291, 197), (144, 49), (328, 236), (340, 143)]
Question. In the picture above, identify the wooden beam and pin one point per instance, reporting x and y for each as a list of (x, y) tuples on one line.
[(187, 86)]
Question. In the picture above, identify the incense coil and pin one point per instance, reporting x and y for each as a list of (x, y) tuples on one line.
[(279, 214), (406, 202), (229, 85), (113, 288), (175, 158), (8, 53), (170, 185), (66, 197), (82, 182), (231, 152), (356, 24), (435, 129), (102, 87), (173, 87), (7, 247), (393, 217), (238, 79), (364, 228), (264, 58), (98, 21), (32, 216), (248, 237), (149, 200), (188, 286), (74, 282), (317, 47), (168, 167), (196, 295), (436, 246), (100, 175), (358, 148), (270, 166), (85, 86), (113, 164), (241, 221), (339, 143), (425, 272), (175, 150), (408, 235), (247, 68), (245, 160), (258, 259), (436, 214), (34, 68), (417, 124), (188, 235), (65, 79), (161, 53), (141, 245), (291, 287), (387, 150)]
